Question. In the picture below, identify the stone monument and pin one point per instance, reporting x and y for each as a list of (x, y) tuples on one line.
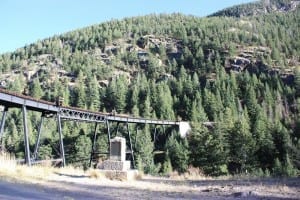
[(117, 156), (117, 149)]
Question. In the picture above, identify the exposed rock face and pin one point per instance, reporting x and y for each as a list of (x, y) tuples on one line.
[(259, 8)]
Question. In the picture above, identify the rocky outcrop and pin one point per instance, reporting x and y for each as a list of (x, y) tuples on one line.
[(259, 8)]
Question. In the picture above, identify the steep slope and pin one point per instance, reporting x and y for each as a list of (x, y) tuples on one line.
[(258, 8), (127, 46)]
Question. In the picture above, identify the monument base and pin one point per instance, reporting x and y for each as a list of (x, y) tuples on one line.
[(115, 165), (121, 175)]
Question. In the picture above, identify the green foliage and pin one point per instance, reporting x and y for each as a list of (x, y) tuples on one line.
[(116, 94), (286, 169), (178, 153), (144, 151), (83, 149), (45, 152), (167, 165), (174, 67), (208, 151), (241, 145), (289, 169), (93, 97), (80, 91), (36, 90)]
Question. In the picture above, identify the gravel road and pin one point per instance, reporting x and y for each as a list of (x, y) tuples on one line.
[(66, 187)]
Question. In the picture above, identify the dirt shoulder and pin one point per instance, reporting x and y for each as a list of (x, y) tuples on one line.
[(67, 186)]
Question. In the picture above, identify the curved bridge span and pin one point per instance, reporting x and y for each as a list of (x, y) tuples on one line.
[(49, 109)]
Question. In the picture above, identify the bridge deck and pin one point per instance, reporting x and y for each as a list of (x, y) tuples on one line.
[(12, 99)]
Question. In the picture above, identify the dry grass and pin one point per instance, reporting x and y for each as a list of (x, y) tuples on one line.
[(10, 169), (193, 182), (7, 164), (95, 173), (192, 173)]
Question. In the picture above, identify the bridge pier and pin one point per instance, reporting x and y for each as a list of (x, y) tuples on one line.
[(26, 140), (130, 145), (61, 143), (37, 143), (2, 127), (136, 134), (108, 134), (93, 144), (3, 121)]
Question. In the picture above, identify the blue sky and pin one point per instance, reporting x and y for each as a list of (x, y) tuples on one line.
[(26, 21)]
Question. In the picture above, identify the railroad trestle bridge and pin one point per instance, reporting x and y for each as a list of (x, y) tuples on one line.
[(49, 109)]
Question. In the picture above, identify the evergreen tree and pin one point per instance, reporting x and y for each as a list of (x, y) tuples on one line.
[(207, 150), (17, 85), (164, 105), (93, 97), (116, 94), (83, 148), (80, 92), (36, 90), (144, 150), (241, 145), (251, 103), (197, 112), (178, 153), (264, 141)]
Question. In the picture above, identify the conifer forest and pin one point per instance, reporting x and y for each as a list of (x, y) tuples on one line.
[(234, 75)]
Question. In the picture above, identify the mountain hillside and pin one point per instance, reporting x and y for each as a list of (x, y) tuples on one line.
[(240, 74), (259, 8)]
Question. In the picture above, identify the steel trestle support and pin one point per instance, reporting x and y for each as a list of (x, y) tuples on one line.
[(2, 128), (130, 143), (61, 143), (37, 143), (93, 144), (26, 140)]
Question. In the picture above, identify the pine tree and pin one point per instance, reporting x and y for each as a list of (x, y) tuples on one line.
[(178, 153), (197, 112), (116, 94), (36, 90), (146, 108), (17, 85), (93, 97), (83, 148), (144, 150), (241, 144), (208, 150), (251, 103), (164, 106), (80, 98), (264, 141), (277, 169)]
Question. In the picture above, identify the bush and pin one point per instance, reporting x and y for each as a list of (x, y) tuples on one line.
[(45, 152), (267, 173), (259, 173)]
